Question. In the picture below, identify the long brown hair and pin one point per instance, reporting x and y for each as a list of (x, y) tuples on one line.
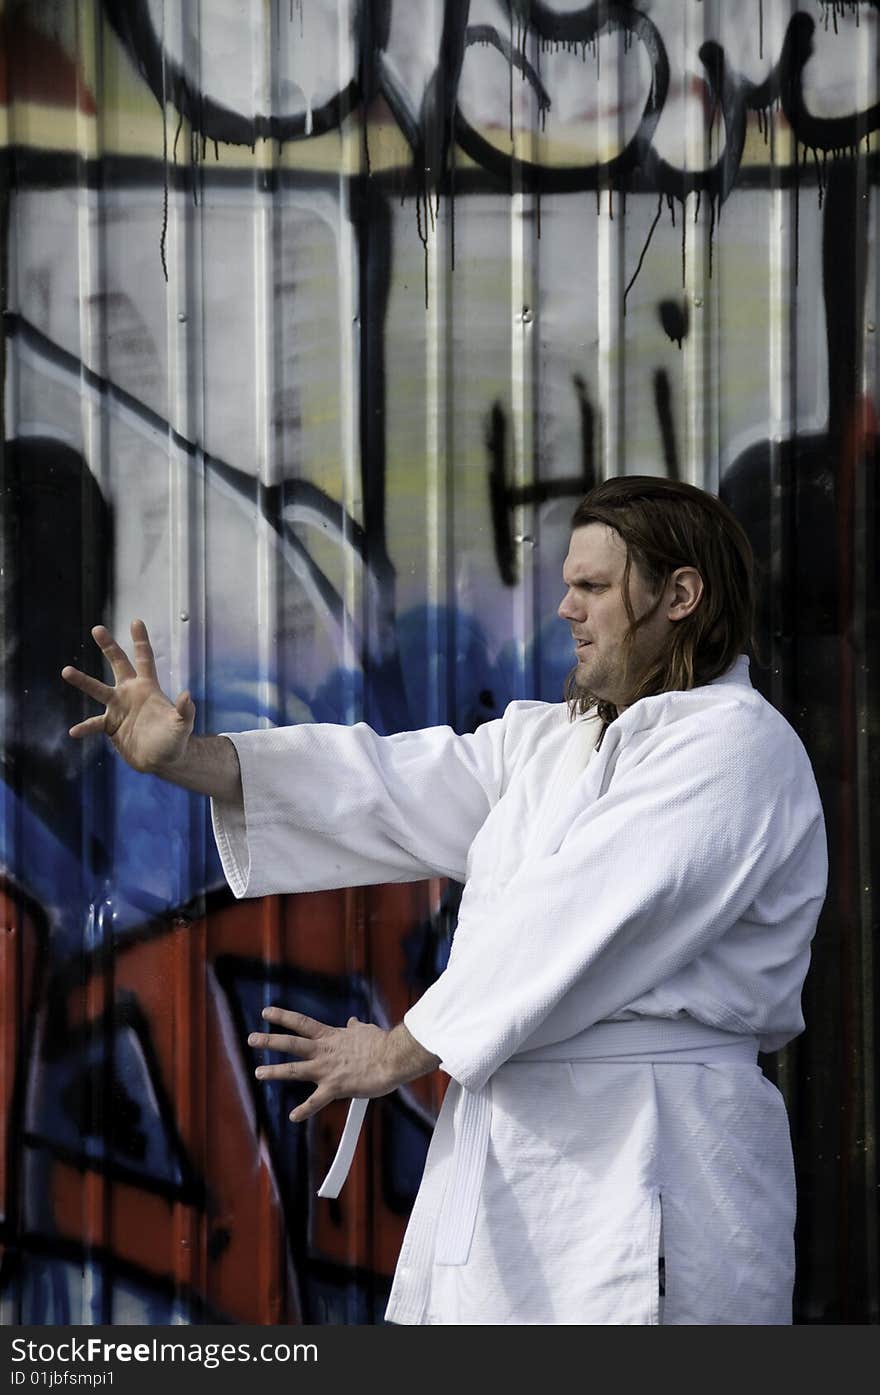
[(666, 524)]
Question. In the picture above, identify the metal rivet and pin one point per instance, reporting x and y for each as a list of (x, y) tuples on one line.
[(526, 315), (698, 301), (181, 315), (184, 615), (871, 326)]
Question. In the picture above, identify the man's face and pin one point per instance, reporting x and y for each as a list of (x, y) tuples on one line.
[(594, 609)]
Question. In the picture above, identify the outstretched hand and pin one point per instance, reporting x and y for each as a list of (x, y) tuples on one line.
[(357, 1061), (148, 730)]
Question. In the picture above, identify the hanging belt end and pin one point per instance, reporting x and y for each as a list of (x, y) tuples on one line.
[(339, 1168)]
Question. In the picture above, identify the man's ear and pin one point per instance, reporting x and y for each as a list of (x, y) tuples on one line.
[(687, 592)]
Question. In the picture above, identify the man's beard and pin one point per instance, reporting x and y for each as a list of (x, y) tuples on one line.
[(579, 688), (593, 683), (592, 674)]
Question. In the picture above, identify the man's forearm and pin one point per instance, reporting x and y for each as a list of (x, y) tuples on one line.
[(209, 766)]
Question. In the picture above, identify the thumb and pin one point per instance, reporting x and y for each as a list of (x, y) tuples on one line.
[(185, 706), (352, 1022)]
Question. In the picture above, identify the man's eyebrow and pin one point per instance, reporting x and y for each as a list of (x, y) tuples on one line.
[(581, 579)]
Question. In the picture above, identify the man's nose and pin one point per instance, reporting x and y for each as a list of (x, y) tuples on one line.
[(567, 609)]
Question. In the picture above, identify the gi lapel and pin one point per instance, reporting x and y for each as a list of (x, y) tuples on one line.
[(580, 779)]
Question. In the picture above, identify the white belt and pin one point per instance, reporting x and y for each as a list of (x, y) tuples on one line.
[(642, 1040)]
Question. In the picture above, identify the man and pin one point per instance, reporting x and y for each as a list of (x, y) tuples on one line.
[(644, 868)]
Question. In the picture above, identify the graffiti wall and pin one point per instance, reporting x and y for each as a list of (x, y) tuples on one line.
[(318, 317)]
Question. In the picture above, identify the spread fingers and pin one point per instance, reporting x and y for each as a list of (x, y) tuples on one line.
[(92, 686), (315, 1102), (295, 1022), (114, 653), (294, 1046), (144, 659), (289, 1070), (89, 727)]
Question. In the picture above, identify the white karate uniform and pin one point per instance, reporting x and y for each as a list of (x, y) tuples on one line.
[(635, 925)]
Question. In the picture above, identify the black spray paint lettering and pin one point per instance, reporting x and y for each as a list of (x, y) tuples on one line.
[(433, 120), (505, 497)]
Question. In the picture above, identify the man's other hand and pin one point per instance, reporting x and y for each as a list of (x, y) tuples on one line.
[(149, 732), (357, 1061)]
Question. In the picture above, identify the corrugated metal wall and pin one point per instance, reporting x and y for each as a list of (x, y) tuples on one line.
[(320, 315)]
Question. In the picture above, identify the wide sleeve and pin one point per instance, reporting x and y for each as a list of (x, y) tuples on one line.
[(332, 806), (670, 857)]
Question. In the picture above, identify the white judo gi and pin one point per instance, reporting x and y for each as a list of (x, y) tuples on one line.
[(635, 925)]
